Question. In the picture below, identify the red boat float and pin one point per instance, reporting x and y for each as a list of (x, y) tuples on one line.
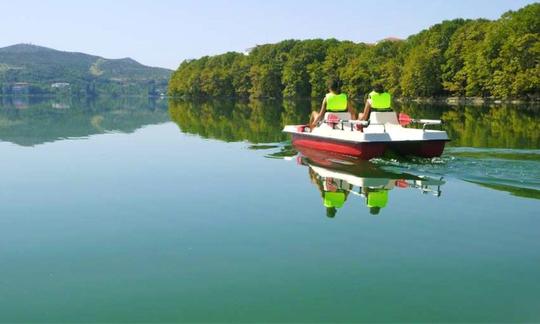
[(370, 139)]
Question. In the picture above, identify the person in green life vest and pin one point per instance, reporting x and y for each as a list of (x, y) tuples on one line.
[(378, 100), (376, 199), (334, 101), (334, 192)]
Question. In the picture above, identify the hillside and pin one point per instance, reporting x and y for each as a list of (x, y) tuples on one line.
[(35, 69)]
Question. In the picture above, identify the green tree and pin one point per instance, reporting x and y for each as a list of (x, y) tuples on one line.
[(458, 57)]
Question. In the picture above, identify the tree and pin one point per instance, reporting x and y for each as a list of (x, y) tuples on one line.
[(456, 57)]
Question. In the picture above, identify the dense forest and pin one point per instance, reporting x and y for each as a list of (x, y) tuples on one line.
[(480, 58)]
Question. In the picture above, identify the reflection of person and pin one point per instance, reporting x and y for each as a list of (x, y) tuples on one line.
[(334, 101), (376, 198), (378, 100), (334, 192)]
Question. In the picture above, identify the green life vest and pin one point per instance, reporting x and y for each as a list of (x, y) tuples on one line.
[(336, 102), (334, 199), (380, 101), (377, 198)]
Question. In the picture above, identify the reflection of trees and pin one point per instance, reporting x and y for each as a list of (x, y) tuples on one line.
[(297, 111), (422, 110), (506, 127), (262, 121), (41, 122), (513, 190), (227, 120), (483, 126)]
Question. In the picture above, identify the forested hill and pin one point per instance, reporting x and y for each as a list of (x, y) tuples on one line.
[(35, 69), (499, 58)]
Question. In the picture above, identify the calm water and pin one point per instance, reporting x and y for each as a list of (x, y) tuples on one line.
[(136, 210)]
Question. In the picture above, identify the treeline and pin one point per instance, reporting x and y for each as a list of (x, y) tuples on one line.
[(460, 57), (83, 87)]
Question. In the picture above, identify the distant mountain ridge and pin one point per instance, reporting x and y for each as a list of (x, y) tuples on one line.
[(40, 67)]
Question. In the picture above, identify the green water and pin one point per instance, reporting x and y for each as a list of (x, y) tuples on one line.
[(124, 210)]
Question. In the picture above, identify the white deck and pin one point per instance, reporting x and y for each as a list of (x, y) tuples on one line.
[(384, 127)]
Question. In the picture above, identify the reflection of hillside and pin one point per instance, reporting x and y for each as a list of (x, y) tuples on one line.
[(43, 121), (255, 121)]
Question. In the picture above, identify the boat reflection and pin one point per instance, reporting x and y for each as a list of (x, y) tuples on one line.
[(338, 177)]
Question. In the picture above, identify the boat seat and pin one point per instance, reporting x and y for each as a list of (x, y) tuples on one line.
[(386, 117), (331, 116), (334, 118)]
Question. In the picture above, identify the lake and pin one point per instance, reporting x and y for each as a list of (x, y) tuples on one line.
[(132, 209)]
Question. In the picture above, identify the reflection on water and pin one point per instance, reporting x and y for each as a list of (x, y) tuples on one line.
[(337, 177), (495, 147), (149, 224), (34, 120), (231, 121), (478, 133), (31, 121), (511, 170), (516, 127), (496, 127), (504, 126)]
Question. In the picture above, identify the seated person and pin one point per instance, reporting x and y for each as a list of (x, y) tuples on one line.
[(334, 101), (378, 100)]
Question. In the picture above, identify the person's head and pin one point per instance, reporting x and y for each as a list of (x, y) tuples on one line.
[(331, 212), (334, 85), (379, 88), (374, 210)]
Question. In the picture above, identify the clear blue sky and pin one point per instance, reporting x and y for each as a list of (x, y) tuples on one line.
[(163, 33)]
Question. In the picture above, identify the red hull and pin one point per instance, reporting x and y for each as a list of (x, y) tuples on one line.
[(364, 151), (427, 149)]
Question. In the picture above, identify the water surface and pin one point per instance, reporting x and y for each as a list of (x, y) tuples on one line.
[(141, 210)]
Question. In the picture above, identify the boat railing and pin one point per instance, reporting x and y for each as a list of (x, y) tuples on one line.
[(366, 123), (428, 122)]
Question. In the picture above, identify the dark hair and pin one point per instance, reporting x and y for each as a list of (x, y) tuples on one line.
[(379, 88), (374, 210), (331, 212), (334, 85)]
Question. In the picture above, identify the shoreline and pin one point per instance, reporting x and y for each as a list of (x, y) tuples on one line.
[(458, 101), (451, 100)]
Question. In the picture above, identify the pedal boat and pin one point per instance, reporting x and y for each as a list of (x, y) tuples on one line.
[(370, 139)]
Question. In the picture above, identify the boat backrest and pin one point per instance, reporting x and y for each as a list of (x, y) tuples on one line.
[(331, 116), (383, 118)]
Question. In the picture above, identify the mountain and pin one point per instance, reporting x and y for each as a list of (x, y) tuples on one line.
[(35, 69)]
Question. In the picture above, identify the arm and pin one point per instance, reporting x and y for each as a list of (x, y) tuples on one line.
[(321, 113), (367, 109), (351, 109)]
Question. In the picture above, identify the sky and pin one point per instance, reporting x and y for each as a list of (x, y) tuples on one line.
[(165, 32)]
